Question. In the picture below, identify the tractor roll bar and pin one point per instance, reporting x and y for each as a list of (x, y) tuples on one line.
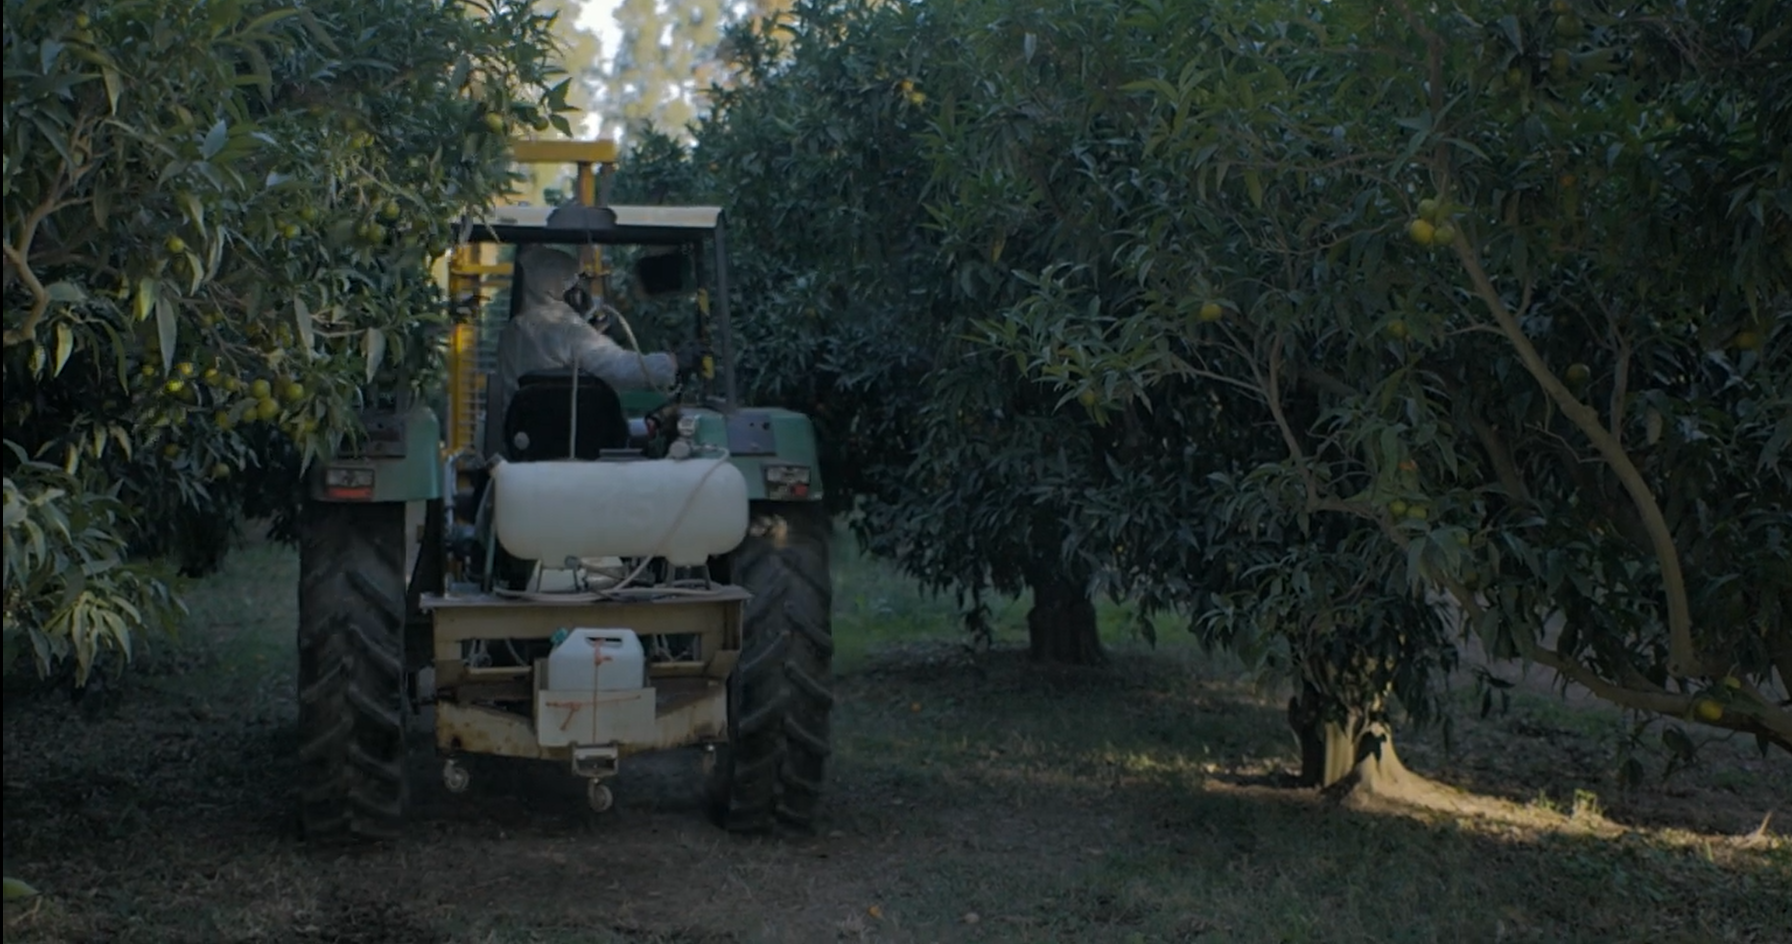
[(725, 326), (603, 225)]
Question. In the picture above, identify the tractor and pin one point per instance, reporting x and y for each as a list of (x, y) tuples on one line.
[(632, 572)]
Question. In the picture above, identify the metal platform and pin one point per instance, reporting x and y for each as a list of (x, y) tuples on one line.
[(721, 593)]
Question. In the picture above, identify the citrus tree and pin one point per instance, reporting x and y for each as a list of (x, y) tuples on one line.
[(1078, 258), (845, 309), (1506, 290), (856, 310), (1340, 332), (890, 170), (219, 219)]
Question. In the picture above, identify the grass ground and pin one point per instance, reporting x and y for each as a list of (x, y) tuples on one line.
[(974, 799)]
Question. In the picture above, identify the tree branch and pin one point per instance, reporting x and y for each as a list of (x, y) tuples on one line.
[(1205, 374), (1501, 457), (40, 297), (1776, 725), (1327, 382), (18, 254), (1497, 452), (1683, 657), (1434, 81), (1620, 373), (1273, 394), (1772, 723)]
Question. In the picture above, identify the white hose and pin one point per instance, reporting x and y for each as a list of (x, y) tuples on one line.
[(624, 593), (628, 331)]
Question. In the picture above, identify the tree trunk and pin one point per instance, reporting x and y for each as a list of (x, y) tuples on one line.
[(1061, 626), (1347, 753)]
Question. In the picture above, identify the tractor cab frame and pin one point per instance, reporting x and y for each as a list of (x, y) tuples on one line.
[(662, 585)]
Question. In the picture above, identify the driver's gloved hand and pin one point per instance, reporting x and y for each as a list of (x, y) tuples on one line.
[(580, 299)]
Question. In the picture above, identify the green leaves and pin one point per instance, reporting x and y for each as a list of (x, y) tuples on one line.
[(65, 345), (72, 598), (373, 350), (1355, 429), (176, 172), (17, 889), (167, 329), (215, 139)]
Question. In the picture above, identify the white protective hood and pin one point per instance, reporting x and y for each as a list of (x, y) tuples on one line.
[(547, 334)]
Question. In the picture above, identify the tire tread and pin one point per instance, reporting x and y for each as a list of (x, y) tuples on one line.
[(778, 753), (352, 610)]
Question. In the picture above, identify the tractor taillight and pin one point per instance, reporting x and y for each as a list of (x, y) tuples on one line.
[(348, 483), (786, 482)]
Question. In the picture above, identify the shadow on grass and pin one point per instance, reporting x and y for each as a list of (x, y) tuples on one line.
[(1148, 802), (1548, 753), (1177, 863)]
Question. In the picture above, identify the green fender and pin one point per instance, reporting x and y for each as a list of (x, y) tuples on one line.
[(399, 461)]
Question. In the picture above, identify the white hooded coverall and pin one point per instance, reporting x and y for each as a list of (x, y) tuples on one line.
[(547, 334)]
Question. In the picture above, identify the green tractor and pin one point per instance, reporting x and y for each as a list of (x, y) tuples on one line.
[(635, 573)]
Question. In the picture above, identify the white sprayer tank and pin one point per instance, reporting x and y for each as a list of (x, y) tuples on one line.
[(685, 510)]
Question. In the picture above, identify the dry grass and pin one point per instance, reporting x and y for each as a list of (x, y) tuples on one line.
[(973, 800)]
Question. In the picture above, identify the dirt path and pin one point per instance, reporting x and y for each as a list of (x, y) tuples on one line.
[(978, 803)]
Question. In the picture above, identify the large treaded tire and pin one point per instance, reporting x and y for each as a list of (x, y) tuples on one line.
[(780, 694), (352, 708)]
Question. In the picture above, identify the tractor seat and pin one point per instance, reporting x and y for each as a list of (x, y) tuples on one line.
[(538, 421)]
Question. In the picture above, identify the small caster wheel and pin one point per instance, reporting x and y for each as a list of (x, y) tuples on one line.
[(455, 777), (599, 796)]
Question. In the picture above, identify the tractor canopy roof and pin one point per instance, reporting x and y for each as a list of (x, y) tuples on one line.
[(602, 225)]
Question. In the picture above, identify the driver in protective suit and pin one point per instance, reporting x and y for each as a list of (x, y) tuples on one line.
[(549, 334)]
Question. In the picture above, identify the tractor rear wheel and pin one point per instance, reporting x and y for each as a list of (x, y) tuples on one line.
[(352, 707), (780, 694)]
